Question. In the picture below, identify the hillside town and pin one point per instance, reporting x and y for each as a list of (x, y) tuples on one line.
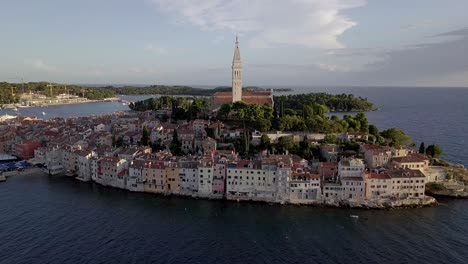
[(85, 148)]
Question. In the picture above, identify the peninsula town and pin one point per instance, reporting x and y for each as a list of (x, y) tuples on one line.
[(240, 145)]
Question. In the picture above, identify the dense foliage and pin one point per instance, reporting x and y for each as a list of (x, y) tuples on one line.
[(161, 89), (395, 137), (338, 102), (181, 107), (7, 94), (434, 151), (312, 118)]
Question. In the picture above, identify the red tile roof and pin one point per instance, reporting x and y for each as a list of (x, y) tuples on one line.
[(249, 97)]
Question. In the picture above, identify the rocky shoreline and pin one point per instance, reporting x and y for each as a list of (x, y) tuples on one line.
[(448, 189)]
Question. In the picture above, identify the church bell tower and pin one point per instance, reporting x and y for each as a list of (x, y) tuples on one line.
[(236, 74)]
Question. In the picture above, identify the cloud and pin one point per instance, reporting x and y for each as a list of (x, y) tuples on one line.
[(320, 67), (309, 23), (40, 65), (422, 64)]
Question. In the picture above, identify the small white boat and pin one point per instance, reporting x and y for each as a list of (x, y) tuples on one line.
[(14, 109), (43, 113), (354, 216)]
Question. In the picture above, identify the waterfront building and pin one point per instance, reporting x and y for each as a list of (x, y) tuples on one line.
[(26, 149), (246, 180), (188, 176), (353, 188), (332, 191), (135, 180), (205, 177), (84, 164), (407, 183), (304, 187), (379, 186), (173, 179), (112, 172), (54, 161), (155, 177), (219, 177)]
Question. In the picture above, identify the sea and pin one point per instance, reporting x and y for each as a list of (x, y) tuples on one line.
[(54, 219)]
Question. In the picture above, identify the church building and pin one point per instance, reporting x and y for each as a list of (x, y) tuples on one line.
[(249, 97)]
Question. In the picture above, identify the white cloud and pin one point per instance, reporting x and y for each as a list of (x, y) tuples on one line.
[(40, 65), (310, 23)]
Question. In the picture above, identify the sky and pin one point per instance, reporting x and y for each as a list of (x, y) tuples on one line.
[(191, 42)]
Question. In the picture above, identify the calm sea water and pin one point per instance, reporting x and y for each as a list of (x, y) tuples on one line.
[(58, 220)]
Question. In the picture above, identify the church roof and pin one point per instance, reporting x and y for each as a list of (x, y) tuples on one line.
[(249, 97)]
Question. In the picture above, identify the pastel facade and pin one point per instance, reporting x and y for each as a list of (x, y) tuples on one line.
[(353, 188), (247, 181), (379, 186), (155, 178), (205, 178), (112, 172), (173, 180), (304, 188), (407, 183), (83, 159), (136, 179), (377, 157), (413, 161)]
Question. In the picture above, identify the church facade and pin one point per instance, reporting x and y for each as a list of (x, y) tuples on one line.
[(237, 94)]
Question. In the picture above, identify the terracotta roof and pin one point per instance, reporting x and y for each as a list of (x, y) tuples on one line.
[(382, 176), (249, 97), (405, 173), (414, 157)]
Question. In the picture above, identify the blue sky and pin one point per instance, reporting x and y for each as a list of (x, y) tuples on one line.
[(296, 42)]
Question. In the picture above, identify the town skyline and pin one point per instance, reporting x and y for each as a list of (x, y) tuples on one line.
[(327, 43)]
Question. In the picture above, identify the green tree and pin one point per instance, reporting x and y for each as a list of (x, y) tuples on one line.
[(176, 145), (396, 136), (265, 142), (422, 148), (286, 144), (434, 151), (330, 139), (373, 130), (363, 123), (145, 137)]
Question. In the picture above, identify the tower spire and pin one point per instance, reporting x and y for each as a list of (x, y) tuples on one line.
[(236, 74)]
